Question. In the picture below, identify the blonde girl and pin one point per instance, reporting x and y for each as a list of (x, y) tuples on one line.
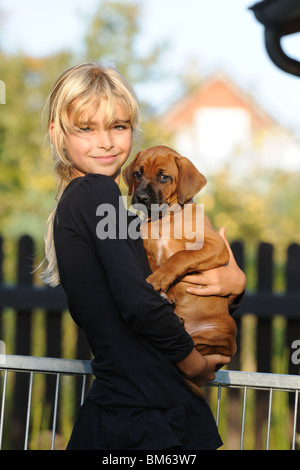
[(142, 354)]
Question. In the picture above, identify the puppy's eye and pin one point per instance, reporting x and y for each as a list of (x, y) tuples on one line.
[(138, 174), (163, 178)]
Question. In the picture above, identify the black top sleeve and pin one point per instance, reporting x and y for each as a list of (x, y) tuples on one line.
[(236, 303), (98, 205)]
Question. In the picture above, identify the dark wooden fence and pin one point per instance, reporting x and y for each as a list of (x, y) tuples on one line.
[(24, 296), (265, 303)]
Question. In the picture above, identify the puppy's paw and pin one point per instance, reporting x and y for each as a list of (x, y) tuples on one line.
[(170, 297), (155, 279), (159, 281), (164, 296)]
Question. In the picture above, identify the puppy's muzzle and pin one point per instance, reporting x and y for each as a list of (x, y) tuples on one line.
[(141, 198), (146, 197)]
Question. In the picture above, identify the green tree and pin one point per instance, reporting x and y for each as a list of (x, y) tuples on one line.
[(27, 184), (259, 206), (26, 179), (112, 39)]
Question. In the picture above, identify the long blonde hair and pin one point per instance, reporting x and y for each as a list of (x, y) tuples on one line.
[(80, 89)]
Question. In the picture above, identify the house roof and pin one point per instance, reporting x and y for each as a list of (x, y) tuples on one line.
[(217, 91)]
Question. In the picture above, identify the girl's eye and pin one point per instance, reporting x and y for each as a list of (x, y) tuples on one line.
[(121, 125), (85, 129)]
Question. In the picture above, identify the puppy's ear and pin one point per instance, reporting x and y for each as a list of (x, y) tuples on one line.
[(190, 180), (127, 174)]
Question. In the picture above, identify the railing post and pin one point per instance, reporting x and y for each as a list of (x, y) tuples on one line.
[(23, 340), (53, 349)]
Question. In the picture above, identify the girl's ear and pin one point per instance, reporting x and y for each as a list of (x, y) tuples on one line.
[(51, 131)]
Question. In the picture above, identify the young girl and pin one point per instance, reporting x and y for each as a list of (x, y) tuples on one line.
[(142, 354)]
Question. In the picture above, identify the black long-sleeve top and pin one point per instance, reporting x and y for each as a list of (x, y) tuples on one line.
[(134, 335)]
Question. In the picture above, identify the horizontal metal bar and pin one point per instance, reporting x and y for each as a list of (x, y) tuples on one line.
[(257, 380), (45, 364), (83, 367)]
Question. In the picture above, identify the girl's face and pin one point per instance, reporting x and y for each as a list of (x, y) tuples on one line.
[(95, 149)]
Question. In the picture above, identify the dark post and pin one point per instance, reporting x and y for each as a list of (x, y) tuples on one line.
[(292, 285), (1, 281), (293, 330), (234, 404), (264, 336), (23, 341), (264, 284), (238, 252)]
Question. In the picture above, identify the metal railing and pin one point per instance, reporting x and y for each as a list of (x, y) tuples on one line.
[(224, 379), (41, 365), (258, 381)]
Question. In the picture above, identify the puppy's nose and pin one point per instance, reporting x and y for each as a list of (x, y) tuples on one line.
[(143, 198)]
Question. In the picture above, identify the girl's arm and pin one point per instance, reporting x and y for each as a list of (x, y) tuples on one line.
[(200, 368)]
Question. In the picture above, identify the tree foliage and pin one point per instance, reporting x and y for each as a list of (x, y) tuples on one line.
[(261, 206), (27, 184), (26, 176), (258, 206), (113, 36)]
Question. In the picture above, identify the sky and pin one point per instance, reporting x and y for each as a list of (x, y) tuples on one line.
[(216, 34)]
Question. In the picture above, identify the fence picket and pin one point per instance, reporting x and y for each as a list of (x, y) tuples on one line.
[(23, 338), (1, 282)]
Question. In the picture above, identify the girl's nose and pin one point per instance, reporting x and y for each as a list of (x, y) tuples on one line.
[(104, 140)]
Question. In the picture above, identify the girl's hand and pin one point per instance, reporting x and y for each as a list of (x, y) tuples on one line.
[(226, 281), (201, 369)]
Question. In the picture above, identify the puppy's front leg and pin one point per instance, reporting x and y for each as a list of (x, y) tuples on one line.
[(213, 254)]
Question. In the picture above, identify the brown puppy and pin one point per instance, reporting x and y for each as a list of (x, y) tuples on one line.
[(158, 176)]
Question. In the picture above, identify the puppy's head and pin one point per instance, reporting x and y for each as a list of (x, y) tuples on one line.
[(159, 175)]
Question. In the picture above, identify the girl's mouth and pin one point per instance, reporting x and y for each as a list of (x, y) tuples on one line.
[(105, 158)]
